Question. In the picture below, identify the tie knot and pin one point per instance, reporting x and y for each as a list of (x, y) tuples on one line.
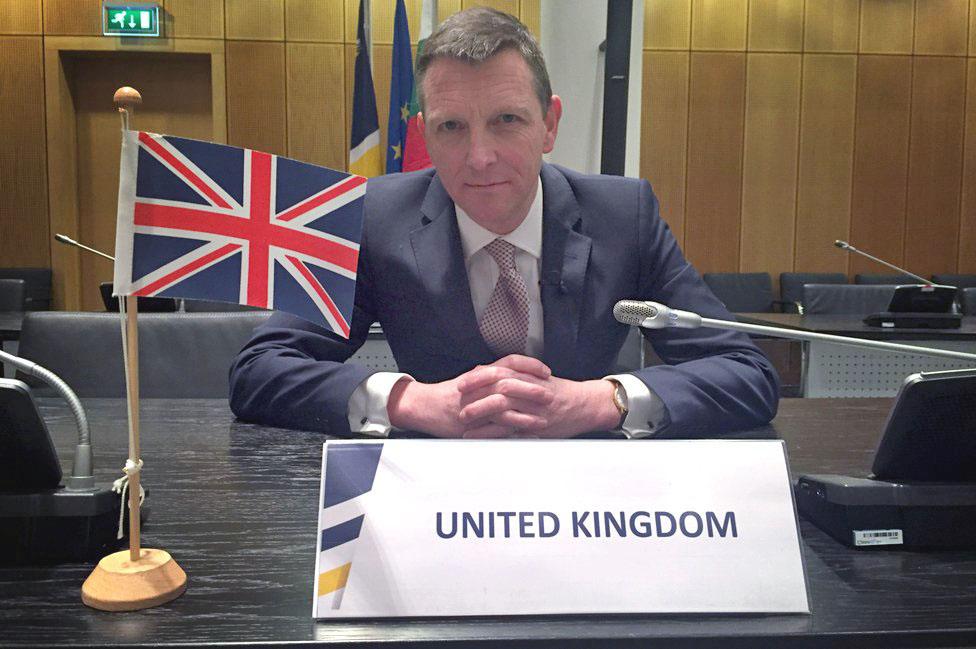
[(502, 252)]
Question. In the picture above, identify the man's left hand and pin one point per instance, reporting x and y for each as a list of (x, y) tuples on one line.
[(569, 408)]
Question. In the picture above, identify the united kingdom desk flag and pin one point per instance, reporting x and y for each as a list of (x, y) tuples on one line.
[(208, 221)]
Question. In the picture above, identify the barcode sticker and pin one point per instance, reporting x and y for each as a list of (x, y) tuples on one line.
[(878, 537)]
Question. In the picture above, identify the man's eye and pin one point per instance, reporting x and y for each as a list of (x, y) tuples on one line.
[(508, 118), (450, 125)]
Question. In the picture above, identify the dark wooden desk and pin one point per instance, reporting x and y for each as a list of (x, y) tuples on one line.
[(853, 325), (832, 370), (235, 504)]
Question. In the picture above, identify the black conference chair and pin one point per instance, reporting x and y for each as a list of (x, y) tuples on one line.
[(791, 287), (959, 281), (212, 306), (181, 355), (37, 286), (12, 294), (968, 300), (881, 278), (851, 299), (144, 304), (743, 292)]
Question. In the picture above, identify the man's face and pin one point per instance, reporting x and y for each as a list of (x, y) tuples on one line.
[(486, 134)]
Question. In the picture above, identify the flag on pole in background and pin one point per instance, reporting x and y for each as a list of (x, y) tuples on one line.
[(415, 150), (208, 221), (364, 145), (401, 90)]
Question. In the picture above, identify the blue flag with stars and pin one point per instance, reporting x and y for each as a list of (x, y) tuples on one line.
[(401, 89)]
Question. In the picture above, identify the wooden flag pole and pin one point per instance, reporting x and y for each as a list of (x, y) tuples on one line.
[(140, 577)]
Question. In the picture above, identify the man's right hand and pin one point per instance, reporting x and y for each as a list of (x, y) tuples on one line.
[(435, 408)]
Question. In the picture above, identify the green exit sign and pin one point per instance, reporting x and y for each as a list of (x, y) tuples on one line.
[(130, 19)]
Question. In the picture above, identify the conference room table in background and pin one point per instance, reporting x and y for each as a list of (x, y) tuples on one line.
[(236, 503), (833, 370)]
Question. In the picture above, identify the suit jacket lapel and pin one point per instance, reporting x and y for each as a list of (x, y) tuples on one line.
[(440, 264), (565, 255)]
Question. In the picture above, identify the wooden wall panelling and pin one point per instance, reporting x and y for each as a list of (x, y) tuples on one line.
[(823, 206), (530, 13), (62, 174), (769, 162), (447, 8), (935, 164), (714, 185), (775, 25), (382, 70), (831, 25), (967, 225), (718, 24), (255, 87), (383, 14), (667, 24), (176, 96), (24, 234), (887, 26), (318, 21), (194, 19), (20, 17), (664, 132), (941, 27), (508, 6), (316, 104), (351, 16), (74, 17), (880, 160), (350, 76), (972, 27), (255, 19)]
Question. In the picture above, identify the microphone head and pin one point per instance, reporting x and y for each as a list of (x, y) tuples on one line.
[(633, 312), (843, 245)]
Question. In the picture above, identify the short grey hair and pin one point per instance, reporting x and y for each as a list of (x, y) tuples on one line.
[(477, 34)]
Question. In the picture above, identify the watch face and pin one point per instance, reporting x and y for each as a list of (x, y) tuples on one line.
[(620, 398)]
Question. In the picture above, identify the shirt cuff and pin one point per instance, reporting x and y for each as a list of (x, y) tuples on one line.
[(646, 413), (368, 414)]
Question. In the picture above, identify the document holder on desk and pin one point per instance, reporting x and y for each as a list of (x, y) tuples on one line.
[(922, 492)]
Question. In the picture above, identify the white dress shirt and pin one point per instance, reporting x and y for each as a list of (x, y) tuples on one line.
[(368, 404)]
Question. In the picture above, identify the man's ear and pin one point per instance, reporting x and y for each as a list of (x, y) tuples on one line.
[(551, 120), (421, 126)]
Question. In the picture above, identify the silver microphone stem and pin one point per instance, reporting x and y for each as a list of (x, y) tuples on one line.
[(843, 245), (781, 332), (71, 242)]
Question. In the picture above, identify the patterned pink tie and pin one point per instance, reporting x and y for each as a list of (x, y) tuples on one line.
[(505, 322)]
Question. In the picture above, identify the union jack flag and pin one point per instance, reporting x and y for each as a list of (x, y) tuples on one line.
[(209, 221)]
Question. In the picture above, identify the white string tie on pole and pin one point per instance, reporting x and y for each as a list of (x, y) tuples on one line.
[(121, 486)]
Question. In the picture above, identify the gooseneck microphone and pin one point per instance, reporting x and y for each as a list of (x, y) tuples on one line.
[(652, 315), (843, 245)]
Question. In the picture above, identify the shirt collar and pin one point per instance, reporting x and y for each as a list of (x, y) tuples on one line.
[(527, 236)]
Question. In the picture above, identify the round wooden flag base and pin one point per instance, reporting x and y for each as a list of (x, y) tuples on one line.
[(119, 584)]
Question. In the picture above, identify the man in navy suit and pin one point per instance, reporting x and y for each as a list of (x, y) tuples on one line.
[(494, 277)]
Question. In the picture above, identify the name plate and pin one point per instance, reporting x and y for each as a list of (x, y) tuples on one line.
[(520, 527)]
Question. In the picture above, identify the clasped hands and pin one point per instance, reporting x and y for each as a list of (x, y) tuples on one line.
[(514, 396)]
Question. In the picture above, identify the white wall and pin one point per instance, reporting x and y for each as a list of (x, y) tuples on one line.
[(572, 31)]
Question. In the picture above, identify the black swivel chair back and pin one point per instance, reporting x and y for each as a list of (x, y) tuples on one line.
[(211, 306), (181, 355), (37, 286), (968, 300), (851, 299), (12, 294), (791, 286), (742, 292), (881, 278), (144, 304)]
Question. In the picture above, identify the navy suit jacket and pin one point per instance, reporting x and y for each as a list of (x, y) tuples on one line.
[(602, 241)]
